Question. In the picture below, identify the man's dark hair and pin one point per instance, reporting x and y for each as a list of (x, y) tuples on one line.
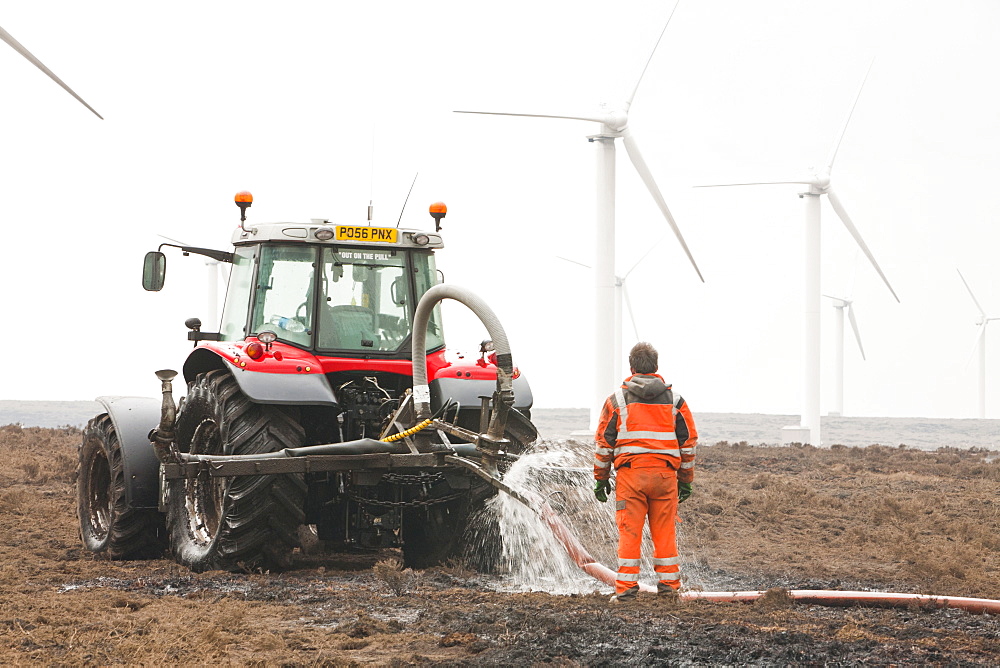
[(643, 358)]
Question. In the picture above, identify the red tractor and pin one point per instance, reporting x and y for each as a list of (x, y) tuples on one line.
[(326, 407)]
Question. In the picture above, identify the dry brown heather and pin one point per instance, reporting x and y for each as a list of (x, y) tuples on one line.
[(799, 517)]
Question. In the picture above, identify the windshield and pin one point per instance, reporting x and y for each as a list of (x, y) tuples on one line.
[(343, 299)]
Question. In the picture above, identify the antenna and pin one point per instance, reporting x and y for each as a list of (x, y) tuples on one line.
[(407, 199), (371, 179)]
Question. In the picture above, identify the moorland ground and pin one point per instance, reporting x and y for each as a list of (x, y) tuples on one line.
[(891, 519)]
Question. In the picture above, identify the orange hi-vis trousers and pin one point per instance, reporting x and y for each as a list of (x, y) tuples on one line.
[(641, 493)]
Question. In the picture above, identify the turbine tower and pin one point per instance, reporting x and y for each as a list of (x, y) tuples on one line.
[(612, 124), (979, 349), (819, 184), (842, 305), (7, 37)]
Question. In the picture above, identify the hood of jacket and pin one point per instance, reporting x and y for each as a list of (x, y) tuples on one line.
[(646, 386)]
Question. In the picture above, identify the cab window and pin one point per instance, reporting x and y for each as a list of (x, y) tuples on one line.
[(365, 300), (284, 293)]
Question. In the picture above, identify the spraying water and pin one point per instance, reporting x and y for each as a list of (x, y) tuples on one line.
[(524, 546)]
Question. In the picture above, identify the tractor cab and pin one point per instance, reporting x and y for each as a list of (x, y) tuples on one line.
[(339, 290), (333, 290)]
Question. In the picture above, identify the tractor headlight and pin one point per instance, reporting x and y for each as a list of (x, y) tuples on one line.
[(324, 233)]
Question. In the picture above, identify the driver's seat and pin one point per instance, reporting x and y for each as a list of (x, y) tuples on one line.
[(346, 326)]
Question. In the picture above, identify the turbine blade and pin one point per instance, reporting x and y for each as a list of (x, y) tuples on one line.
[(976, 301), (17, 46), (628, 102), (645, 255), (854, 326), (647, 177), (839, 208), (595, 116), (566, 259), (631, 313), (172, 240), (803, 181), (843, 128)]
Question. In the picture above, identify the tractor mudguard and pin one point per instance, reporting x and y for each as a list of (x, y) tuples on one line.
[(133, 419), (299, 389), (466, 391), (306, 389)]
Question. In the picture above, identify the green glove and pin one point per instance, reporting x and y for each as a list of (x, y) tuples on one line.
[(601, 489), (683, 491)]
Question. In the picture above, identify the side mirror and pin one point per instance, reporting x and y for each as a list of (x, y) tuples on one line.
[(154, 271)]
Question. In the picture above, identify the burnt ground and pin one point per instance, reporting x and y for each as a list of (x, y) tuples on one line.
[(891, 519)]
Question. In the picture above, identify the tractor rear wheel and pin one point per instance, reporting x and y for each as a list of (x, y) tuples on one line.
[(108, 525), (240, 523)]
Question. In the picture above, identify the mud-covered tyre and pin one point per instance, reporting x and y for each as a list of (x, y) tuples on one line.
[(245, 522), (433, 534), (109, 526)]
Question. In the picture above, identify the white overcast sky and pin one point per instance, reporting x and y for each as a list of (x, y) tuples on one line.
[(292, 101)]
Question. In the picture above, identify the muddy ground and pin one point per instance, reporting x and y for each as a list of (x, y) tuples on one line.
[(891, 519)]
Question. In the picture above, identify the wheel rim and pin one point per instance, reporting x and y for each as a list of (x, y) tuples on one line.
[(99, 495), (205, 496)]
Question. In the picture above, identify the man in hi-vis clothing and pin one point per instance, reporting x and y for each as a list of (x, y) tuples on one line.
[(647, 434)]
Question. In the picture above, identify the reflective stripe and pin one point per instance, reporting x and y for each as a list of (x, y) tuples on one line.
[(601, 465), (605, 451), (665, 577), (638, 449), (687, 465), (627, 577), (668, 561), (622, 408), (654, 435), (629, 562), (689, 449)]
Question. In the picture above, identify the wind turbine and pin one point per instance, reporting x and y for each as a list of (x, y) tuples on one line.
[(819, 184), (612, 124), (979, 348), (7, 37), (621, 297), (841, 305)]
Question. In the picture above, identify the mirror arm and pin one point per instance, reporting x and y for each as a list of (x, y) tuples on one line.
[(221, 256)]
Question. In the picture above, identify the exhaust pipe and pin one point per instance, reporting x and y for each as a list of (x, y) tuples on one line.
[(162, 436)]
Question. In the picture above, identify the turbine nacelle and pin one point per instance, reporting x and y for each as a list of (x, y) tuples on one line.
[(822, 182), (615, 119)]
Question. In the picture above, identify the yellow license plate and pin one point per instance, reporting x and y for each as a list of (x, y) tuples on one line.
[(382, 235)]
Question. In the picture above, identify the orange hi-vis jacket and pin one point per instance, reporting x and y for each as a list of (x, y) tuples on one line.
[(644, 425)]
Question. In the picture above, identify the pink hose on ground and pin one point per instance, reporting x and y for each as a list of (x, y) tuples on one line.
[(579, 554), (871, 599)]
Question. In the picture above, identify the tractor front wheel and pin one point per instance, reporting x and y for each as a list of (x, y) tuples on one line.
[(109, 526), (240, 523)]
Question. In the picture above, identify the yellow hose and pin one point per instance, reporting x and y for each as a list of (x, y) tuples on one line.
[(408, 432)]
